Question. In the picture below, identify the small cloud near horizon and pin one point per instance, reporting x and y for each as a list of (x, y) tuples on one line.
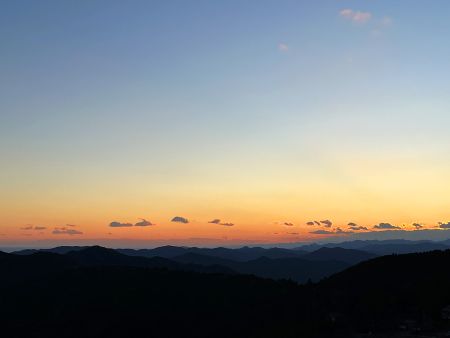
[(288, 224), (179, 219), (322, 232), (417, 225), (31, 227), (115, 224), (444, 225), (327, 223), (227, 224), (386, 226), (215, 221), (65, 231), (357, 228), (340, 231), (143, 223)]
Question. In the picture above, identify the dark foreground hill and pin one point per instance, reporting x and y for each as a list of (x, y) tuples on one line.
[(51, 295)]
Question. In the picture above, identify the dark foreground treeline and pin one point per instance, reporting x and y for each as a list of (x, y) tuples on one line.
[(52, 295)]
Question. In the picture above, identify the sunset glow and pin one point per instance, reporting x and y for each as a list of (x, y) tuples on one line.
[(247, 122)]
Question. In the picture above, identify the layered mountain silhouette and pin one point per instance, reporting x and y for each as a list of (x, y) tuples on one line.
[(382, 247), (274, 263)]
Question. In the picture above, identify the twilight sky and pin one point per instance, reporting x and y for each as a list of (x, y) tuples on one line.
[(226, 122)]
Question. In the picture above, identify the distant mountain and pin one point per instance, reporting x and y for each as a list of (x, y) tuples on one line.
[(350, 256), (167, 251), (59, 250), (240, 254), (387, 249), (95, 256), (381, 247), (297, 269)]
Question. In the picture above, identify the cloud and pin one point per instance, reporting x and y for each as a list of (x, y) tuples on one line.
[(357, 228), (30, 227), (444, 225), (288, 224), (327, 223), (355, 16), (322, 232), (386, 21), (340, 231), (351, 224), (386, 226), (282, 47), (70, 225), (120, 225), (313, 223), (417, 225), (227, 224), (179, 219), (143, 223), (65, 231), (292, 233), (215, 221)]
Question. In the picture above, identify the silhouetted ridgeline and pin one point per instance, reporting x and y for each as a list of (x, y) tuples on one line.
[(98, 292), (268, 263)]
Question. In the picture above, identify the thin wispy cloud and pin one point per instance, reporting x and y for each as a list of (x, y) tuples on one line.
[(65, 231), (282, 47), (288, 224), (386, 21), (31, 227), (217, 221), (355, 16), (358, 228), (343, 232), (322, 232)]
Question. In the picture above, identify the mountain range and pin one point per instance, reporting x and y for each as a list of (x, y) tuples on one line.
[(100, 292)]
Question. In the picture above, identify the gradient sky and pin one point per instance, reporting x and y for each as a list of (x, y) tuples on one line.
[(257, 113)]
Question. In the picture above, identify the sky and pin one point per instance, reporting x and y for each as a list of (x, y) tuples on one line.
[(223, 122)]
